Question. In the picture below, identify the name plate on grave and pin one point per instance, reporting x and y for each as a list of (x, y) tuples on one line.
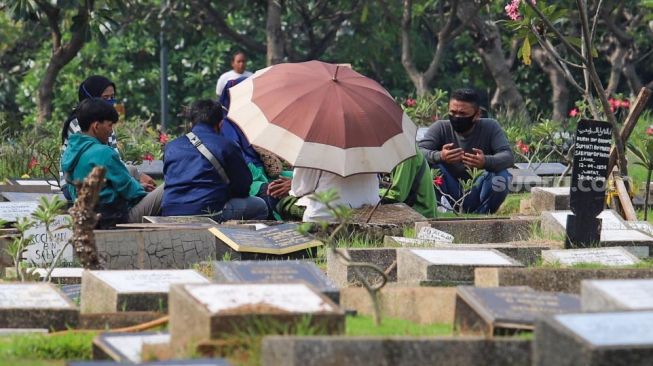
[(12, 211), (144, 281), (433, 234), (45, 247), (31, 296), (613, 256), (279, 239)]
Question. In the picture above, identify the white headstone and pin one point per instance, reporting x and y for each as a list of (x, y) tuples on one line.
[(611, 329), (629, 294), (131, 345), (44, 247), (433, 234), (608, 256), (12, 211), (295, 298), (61, 272), (144, 281), (610, 220), (31, 296), (463, 257)]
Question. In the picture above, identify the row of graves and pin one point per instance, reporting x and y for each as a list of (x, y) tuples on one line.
[(511, 292)]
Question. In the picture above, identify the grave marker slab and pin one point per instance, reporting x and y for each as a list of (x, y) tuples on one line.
[(543, 169), (203, 312), (125, 347), (478, 231), (507, 310), (44, 247), (612, 256), (62, 275), (35, 305), (617, 295), (143, 290), (594, 339), (550, 198), (524, 180), (276, 272), (179, 220), (447, 266), (276, 240), (12, 211), (27, 196), (390, 214), (433, 234)]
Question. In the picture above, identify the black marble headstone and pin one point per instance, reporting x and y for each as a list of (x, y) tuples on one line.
[(588, 183), (276, 271)]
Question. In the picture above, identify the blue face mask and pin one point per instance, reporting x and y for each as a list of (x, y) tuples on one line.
[(111, 101)]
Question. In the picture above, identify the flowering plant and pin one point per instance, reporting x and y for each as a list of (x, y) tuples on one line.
[(424, 110), (465, 185)]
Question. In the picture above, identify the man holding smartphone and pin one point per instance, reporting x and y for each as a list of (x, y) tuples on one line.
[(466, 141)]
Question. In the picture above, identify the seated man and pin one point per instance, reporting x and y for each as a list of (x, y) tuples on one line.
[(468, 141), (122, 199), (208, 175), (412, 184)]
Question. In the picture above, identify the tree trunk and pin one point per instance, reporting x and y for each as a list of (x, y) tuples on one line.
[(560, 91), (616, 59), (275, 53), (633, 80), (488, 45)]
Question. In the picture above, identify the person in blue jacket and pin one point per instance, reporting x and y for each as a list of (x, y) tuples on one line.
[(123, 198), (193, 184)]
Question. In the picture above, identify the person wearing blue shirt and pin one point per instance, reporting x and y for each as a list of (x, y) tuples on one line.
[(194, 186)]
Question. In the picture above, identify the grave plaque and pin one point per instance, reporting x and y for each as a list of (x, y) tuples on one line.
[(617, 295), (620, 338), (125, 347), (140, 290), (506, 310), (390, 214), (612, 256), (277, 272), (278, 240), (44, 247), (12, 211), (588, 182), (179, 220), (35, 305), (27, 196), (433, 234), (203, 312)]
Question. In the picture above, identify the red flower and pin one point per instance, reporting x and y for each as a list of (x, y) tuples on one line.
[(649, 131), (625, 103), (149, 157), (410, 102), (524, 148), (32, 163), (163, 138), (438, 181), (573, 112)]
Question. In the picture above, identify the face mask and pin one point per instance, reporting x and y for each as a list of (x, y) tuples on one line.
[(111, 101), (461, 124)]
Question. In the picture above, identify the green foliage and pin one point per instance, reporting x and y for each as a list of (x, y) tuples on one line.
[(424, 110), (68, 346), (364, 326)]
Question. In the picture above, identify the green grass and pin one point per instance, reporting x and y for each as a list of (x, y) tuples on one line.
[(364, 326), (40, 349)]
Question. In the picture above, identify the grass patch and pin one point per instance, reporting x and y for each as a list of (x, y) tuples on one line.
[(364, 326), (511, 205), (36, 349)]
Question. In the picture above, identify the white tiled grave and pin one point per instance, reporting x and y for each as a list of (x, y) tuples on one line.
[(617, 295), (607, 256)]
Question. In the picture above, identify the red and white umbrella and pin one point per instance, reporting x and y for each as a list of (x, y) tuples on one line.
[(323, 116)]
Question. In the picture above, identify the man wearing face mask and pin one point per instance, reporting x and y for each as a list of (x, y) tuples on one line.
[(468, 141)]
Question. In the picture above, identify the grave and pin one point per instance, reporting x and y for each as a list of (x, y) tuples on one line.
[(543, 169), (390, 214), (36, 184), (524, 180), (611, 257), (507, 310), (179, 220), (276, 272), (344, 275), (550, 199), (274, 242), (125, 347), (143, 290), (393, 351), (29, 196), (44, 247), (432, 234), (594, 339), (204, 312), (163, 248), (12, 211), (553, 279), (35, 305), (437, 267), (25, 189), (617, 295), (479, 231), (62, 275)]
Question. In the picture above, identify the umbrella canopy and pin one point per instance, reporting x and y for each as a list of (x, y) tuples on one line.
[(323, 116)]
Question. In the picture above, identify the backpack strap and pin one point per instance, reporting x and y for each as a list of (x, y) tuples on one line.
[(208, 155)]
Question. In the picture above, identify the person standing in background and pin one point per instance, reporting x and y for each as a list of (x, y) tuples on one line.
[(238, 69)]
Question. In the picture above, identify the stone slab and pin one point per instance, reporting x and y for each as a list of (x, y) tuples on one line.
[(35, 305), (117, 320), (62, 275), (446, 266), (617, 295), (566, 280), (421, 305), (394, 351), (393, 214), (204, 312), (524, 180), (12, 211), (179, 220), (544, 169), (594, 339), (125, 347), (142, 290), (274, 240), (28, 196), (275, 272), (507, 310), (344, 275), (45, 247), (155, 248), (609, 257), (25, 189), (480, 231), (550, 199)]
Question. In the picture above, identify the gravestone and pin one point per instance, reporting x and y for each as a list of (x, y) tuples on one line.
[(62, 275), (44, 247), (143, 290), (179, 220), (12, 211), (204, 312), (433, 234), (612, 256), (35, 305), (125, 347), (550, 198), (27, 196), (507, 310), (617, 295), (524, 180), (276, 272), (447, 267), (279, 240), (483, 230), (594, 339), (588, 183), (390, 214)]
